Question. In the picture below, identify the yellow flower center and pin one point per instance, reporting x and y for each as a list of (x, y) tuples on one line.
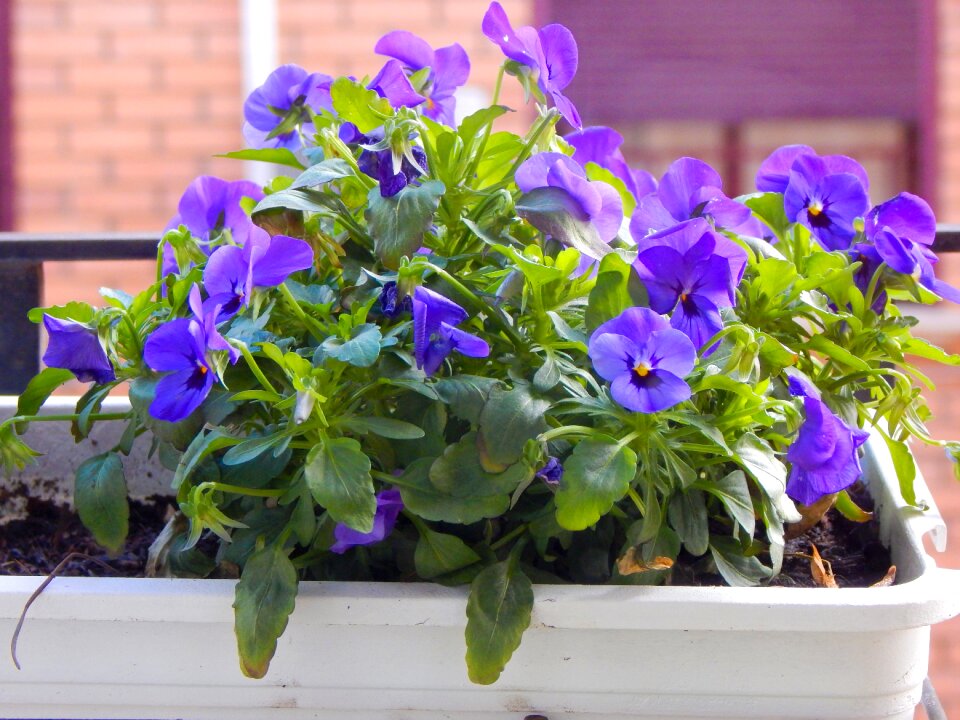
[(641, 369), (816, 207)]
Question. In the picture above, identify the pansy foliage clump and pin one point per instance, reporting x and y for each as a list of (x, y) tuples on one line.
[(443, 351)]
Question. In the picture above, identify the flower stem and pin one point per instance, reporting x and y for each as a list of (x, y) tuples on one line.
[(312, 325), (255, 368), (513, 534), (62, 418)]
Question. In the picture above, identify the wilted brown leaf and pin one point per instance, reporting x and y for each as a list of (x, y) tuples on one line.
[(631, 563), (820, 570), (810, 515), (888, 579)]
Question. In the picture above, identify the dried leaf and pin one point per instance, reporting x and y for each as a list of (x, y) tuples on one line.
[(631, 563), (821, 570), (810, 515), (888, 579)]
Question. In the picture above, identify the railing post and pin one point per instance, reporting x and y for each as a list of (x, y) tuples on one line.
[(21, 289)]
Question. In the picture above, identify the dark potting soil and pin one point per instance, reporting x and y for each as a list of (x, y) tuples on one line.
[(37, 543), (50, 532)]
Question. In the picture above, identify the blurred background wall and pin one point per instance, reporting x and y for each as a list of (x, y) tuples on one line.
[(117, 105)]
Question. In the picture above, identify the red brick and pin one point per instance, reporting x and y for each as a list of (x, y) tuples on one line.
[(33, 45), (130, 14), (110, 75), (42, 109), (183, 14), (38, 76), (214, 76), (164, 44), (41, 14)]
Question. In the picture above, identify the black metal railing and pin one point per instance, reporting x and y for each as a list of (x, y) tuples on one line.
[(21, 285)]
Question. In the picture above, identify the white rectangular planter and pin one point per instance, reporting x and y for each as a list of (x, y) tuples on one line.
[(158, 648)]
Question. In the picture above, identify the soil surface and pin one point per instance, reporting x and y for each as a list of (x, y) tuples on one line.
[(36, 544)]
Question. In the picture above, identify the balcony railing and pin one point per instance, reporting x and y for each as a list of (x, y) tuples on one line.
[(22, 256)]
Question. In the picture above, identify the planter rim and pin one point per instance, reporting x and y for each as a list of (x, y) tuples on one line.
[(933, 595)]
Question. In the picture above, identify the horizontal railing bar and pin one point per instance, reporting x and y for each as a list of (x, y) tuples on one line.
[(78, 246), (143, 245)]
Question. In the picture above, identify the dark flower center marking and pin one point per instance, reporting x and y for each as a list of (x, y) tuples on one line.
[(816, 214)]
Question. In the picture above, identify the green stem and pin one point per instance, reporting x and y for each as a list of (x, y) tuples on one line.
[(63, 418), (254, 368), (513, 534), (312, 325), (632, 494), (240, 490), (566, 431), (498, 85)]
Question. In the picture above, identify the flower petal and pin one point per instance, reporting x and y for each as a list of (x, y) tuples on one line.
[(561, 57), (774, 172), (671, 351), (180, 393), (465, 343), (284, 255), (635, 323), (612, 355), (680, 186), (496, 26), (411, 50), (451, 69), (657, 391), (172, 346)]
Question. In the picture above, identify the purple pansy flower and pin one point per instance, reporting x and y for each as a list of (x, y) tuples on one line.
[(597, 201), (774, 172), (210, 206), (75, 346), (389, 505), (551, 473), (379, 164), (824, 457), (550, 52), (434, 334), (644, 359), (690, 189), (825, 202), (902, 230), (180, 347), (393, 84), (288, 92), (601, 145), (691, 271), (233, 272), (391, 304), (449, 69)]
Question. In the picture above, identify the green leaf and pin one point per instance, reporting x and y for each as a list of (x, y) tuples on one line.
[(399, 223), (617, 288), (598, 172), (252, 448), (759, 460), (737, 569), (421, 497), (278, 156), (472, 126), (465, 394), (498, 611), (769, 208), (459, 473), (438, 554), (820, 343), (202, 446), (536, 273), (354, 103), (302, 199), (554, 212), (361, 350), (39, 388), (850, 510), (924, 349), (265, 597), (509, 418), (774, 277), (100, 496), (547, 375), (79, 311), (732, 490), (338, 474), (385, 427), (688, 516), (906, 468), (595, 476), (322, 173)]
